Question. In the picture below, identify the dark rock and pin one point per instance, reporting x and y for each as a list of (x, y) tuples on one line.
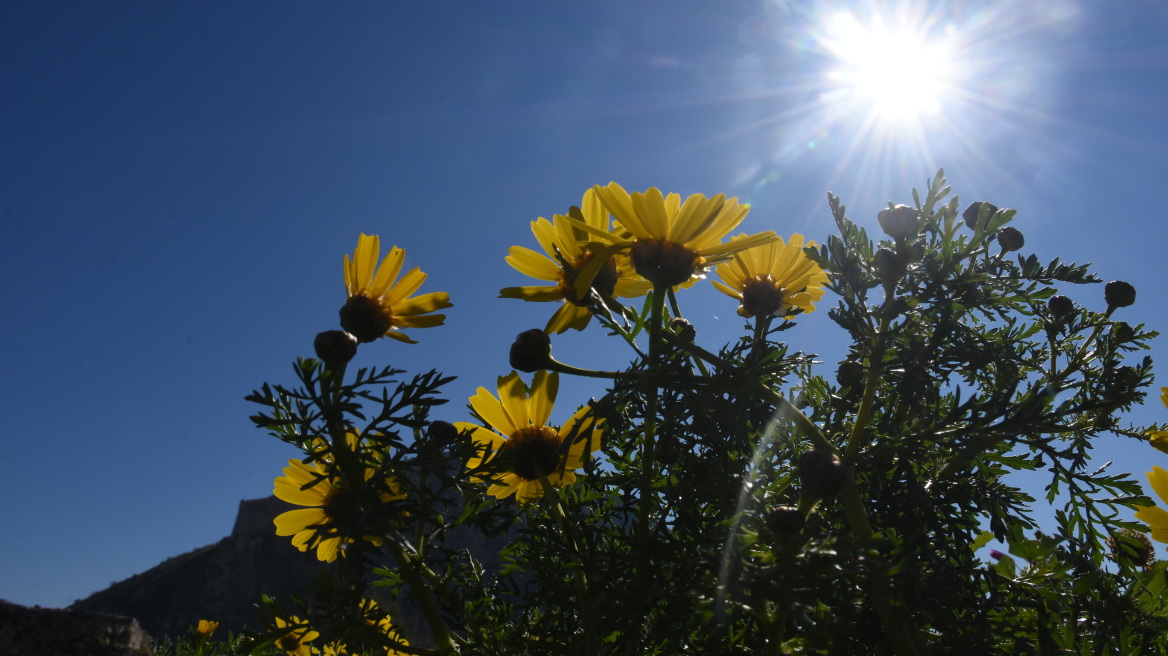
[(40, 631)]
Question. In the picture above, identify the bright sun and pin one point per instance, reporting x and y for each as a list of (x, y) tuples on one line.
[(894, 70)]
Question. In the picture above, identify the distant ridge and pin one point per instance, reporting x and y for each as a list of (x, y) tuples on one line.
[(222, 581)]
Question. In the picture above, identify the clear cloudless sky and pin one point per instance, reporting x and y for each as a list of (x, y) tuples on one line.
[(180, 181)]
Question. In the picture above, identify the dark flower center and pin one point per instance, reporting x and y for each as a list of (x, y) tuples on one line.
[(289, 643), (664, 262), (342, 505), (533, 450), (604, 282), (365, 318), (761, 297)]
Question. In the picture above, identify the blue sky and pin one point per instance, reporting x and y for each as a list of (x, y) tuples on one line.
[(179, 183)]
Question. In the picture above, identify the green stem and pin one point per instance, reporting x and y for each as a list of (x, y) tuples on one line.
[(875, 364), (410, 571), (353, 472), (557, 508), (900, 627), (657, 314)]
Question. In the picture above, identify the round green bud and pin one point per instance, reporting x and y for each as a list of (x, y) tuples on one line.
[(900, 222), (1118, 294), (1060, 306), (1011, 239), (335, 347), (531, 351), (974, 210)]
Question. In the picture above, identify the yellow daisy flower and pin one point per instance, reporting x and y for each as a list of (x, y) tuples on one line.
[(524, 446), (560, 239), (671, 242), (295, 641), (206, 628), (379, 304), (1154, 516), (772, 279), (1159, 438), (327, 503)]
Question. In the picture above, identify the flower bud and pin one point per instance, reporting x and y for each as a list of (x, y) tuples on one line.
[(683, 329), (1011, 239), (850, 374), (887, 266), (821, 474), (1132, 547), (1060, 306), (996, 555), (974, 210), (900, 222), (335, 348), (1122, 333), (784, 521), (1118, 294), (531, 351), (443, 432)]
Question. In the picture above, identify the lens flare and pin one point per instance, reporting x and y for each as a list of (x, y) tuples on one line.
[(896, 69)]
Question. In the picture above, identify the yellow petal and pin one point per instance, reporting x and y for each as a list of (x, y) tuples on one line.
[(327, 552), (488, 407), (530, 263), (405, 287), (420, 321), (295, 521), (568, 316), (544, 387), (737, 245), (727, 290), (695, 217), (513, 398), (617, 201), (595, 215), (1153, 516), (649, 207), (1159, 480), (422, 304), (387, 273), (1159, 440), (365, 261), (547, 236), (536, 294), (399, 336)]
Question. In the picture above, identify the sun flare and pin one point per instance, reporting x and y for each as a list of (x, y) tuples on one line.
[(897, 71)]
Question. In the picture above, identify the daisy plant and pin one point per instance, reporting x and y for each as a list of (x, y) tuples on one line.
[(737, 495)]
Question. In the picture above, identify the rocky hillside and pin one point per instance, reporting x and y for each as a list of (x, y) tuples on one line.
[(224, 581)]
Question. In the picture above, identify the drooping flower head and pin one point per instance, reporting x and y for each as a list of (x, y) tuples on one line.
[(378, 303), (670, 242), (522, 447), (331, 514), (568, 250), (773, 279), (1159, 438), (299, 634), (1154, 516)]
